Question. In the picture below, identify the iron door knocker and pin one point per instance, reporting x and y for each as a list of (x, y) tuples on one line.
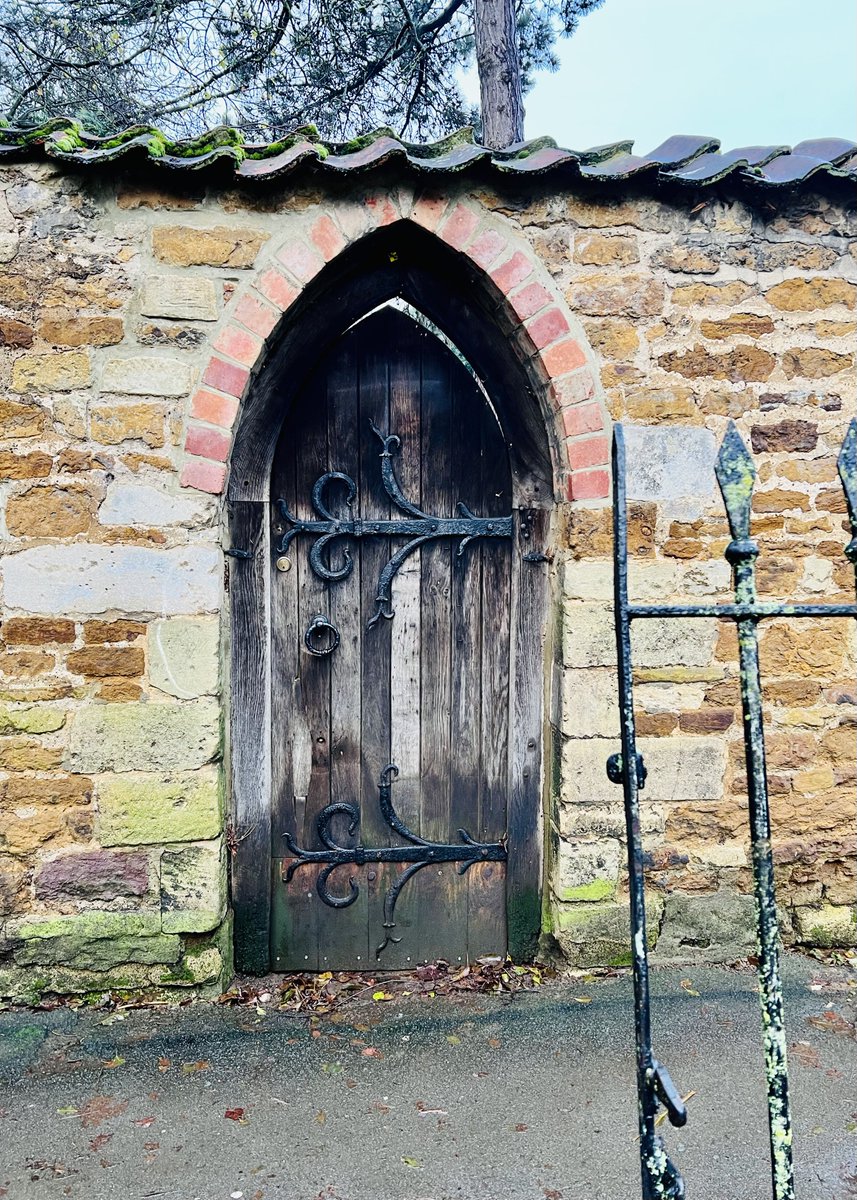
[(316, 630)]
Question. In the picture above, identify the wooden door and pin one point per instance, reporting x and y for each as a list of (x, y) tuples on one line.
[(426, 689)]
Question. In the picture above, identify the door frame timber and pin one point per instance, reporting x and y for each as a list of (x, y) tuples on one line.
[(399, 261)]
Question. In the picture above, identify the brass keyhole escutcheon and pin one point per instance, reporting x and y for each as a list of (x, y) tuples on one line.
[(283, 563)]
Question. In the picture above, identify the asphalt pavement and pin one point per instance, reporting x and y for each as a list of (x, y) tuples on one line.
[(473, 1098)]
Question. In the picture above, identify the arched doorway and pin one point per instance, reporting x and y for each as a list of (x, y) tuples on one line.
[(417, 679), (334, 856)]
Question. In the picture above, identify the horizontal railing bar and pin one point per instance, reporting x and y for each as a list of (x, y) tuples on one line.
[(737, 611)]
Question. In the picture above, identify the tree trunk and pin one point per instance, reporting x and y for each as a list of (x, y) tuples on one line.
[(499, 66)]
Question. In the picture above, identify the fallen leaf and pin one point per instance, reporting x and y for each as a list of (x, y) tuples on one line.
[(382, 996), (164, 1064), (68, 1111), (453, 1039), (378, 1106), (413, 1163), (687, 986), (494, 1043), (235, 1114), (582, 999), (320, 1117), (192, 1067), (371, 1052), (144, 1122), (100, 1108), (521, 1128), (805, 1054), (833, 1022), (100, 1139), (110, 1063), (552, 1194)]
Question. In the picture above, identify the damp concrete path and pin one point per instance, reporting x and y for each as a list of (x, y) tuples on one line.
[(477, 1099)]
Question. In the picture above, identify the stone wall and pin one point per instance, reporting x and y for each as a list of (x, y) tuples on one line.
[(132, 319)]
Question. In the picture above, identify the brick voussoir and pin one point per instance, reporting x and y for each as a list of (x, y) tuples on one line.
[(275, 287), (327, 237), (580, 419), (301, 260), (235, 342), (226, 377), (255, 313), (583, 452), (589, 485), (203, 475), (214, 409), (547, 328), (563, 356), (512, 272), (530, 299), (459, 226), (207, 442), (486, 247)]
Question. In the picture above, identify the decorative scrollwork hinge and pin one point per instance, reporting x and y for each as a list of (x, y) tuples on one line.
[(420, 527), (420, 853)]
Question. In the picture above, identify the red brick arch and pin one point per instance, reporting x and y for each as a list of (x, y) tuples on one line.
[(550, 333)]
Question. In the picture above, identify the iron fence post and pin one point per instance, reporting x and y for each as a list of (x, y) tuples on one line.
[(661, 1180)]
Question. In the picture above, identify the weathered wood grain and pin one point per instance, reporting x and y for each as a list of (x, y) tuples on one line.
[(249, 713)]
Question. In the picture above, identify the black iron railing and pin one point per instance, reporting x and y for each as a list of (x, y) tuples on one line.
[(736, 476)]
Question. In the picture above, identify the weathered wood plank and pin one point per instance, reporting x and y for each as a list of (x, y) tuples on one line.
[(249, 754), (345, 931), (486, 927), (526, 727), (374, 408), (405, 422)]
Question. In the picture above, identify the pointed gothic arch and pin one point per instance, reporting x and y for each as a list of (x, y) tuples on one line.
[(550, 419)]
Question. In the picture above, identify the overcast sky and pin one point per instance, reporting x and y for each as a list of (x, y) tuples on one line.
[(748, 72)]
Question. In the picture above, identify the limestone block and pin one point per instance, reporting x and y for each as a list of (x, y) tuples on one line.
[(30, 719), (112, 424), (621, 294), (185, 297), (808, 295), (86, 926), (183, 656), (93, 875), (193, 887), (64, 330), (131, 503), (690, 768), (588, 581), (590, 704), (11, 880), (607, 819), (51, 372), (589, 639), (586, 871), (144, 376), (144, 737), (829, 925), (670, 463), (599, 934), (83, 578), (719, 928), (99, 954), (146, 809), (219, 246), (21, 420)]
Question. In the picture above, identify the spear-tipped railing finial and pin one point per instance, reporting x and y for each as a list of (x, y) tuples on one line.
[(736, 475)]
